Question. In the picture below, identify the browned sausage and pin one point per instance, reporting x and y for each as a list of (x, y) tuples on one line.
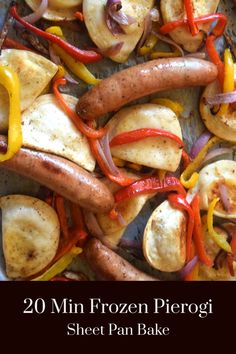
[(62, 176), (108, 265), (142, 80)]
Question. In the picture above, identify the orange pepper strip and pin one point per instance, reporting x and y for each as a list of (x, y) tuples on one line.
[(140, 134), (189, 11), (197, 233), (78, 231), (217, 30), (80, 125), (215, 58), (179, 202), (79, 15), (12, 43)]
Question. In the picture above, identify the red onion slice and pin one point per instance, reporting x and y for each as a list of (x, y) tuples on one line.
[(115, 17), (37, 15), (199, 144), (104, 143), (114, 7), (112, 50), (92, 224), (220, 98), (188, 267), (53, 56), (224, 197), (216, 152), (169, 41), (121, 219), (146, 30)]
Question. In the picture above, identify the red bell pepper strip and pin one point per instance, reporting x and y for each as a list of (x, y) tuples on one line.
[(215, 58), (149, 185), (83, 56), (179, 202), (79, 15), (80, 125), (78, 230), (189, 11), (12, 43), (217, 31), (198, 235), (139, 134)]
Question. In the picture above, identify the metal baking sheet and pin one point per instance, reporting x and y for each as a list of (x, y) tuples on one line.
[(11, 183)]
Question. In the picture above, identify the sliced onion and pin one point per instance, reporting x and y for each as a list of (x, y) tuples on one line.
[(220, 98), (216, 152), (146, 30), (92, 224), (57, 60), (188, 267), (37, 15), (104, 143), (113, 26), (112, 50), (70, 79), (113, 8), (121, 219), (199, 144), (169, 41), (114, 17), (53, 56), (224, 197)]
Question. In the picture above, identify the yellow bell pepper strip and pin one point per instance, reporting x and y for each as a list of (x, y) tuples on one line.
[(9, 79), (156, 55), (173, 105), (60, 73), (75, 66), (60, 265), (228, 85), (219, 240), (148, 45), (189, 177)]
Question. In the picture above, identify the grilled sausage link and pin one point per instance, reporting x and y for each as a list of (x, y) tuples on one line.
[(108, 265), (62, 176), (142, 80)]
